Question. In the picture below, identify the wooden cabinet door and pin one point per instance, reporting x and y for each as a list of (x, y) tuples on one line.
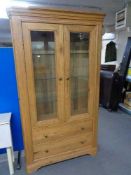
[(80, 70), (59, 82), (44, 69)]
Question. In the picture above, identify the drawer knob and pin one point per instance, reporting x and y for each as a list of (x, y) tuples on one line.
[(82, 128), (82, 142)]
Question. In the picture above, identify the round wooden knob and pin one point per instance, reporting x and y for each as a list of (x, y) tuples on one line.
[(60, 79)]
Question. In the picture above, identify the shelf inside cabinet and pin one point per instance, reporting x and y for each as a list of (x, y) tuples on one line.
[(79, 52), (43, 52), (51, 52)]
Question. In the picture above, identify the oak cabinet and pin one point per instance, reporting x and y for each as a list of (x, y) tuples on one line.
[(57, 56)]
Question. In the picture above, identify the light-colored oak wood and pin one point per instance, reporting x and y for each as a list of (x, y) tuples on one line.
[(63, 156), (65, 146), (61, 130), (22, 86), (55, 13), (59, 136), (97, 81)]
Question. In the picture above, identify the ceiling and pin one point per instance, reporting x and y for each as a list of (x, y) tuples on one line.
[(109, 7)]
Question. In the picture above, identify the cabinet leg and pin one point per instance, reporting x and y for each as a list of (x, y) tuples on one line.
[(93, 152), (10, 162)]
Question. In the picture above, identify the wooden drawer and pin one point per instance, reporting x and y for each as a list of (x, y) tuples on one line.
[(44, 134), (52, 148)]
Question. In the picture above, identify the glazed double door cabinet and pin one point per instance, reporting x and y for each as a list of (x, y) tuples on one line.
[(57, 56)]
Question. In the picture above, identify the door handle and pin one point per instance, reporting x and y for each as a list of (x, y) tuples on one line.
[(68, 78), (60, 79), (68, 84)]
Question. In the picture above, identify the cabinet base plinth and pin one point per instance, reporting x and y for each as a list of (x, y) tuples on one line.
[(57, 158)]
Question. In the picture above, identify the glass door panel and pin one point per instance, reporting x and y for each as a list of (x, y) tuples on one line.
[(43, 55), (79, 47)]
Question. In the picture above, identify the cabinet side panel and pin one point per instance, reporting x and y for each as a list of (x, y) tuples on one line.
[(22, 86), (97, 44)]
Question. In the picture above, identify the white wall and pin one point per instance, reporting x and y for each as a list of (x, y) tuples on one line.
[(121, 39)]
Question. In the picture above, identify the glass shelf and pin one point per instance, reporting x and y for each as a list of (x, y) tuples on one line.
[(79, 52), (43, 52)]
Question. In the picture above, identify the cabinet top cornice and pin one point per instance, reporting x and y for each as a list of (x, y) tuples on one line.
[(37, 11)]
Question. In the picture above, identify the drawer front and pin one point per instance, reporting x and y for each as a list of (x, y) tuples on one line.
[(62, 146), (46, 133), (5, 136)]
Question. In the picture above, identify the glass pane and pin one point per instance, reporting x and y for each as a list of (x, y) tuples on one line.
[(79, 46), (43, 52)]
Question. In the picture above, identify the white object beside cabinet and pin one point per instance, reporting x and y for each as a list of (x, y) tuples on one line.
[(6, 139)]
